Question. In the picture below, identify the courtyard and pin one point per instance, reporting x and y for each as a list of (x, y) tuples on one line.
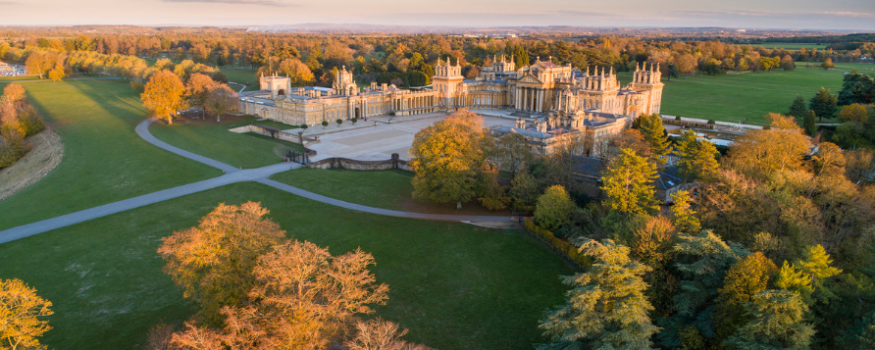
[(379, 137)]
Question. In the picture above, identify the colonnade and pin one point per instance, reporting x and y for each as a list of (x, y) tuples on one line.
[(531, 99), (409, 105)]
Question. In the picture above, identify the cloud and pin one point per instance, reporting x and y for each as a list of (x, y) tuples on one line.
[(237, 2), (775, 14)]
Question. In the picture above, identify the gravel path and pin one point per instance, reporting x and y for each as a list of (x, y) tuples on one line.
[(232, 175)]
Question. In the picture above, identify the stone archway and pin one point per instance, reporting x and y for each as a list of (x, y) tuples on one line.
[(281, 92), (358, 113)]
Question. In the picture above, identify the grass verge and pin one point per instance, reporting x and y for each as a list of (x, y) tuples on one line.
[(455, 286), (104, 159)]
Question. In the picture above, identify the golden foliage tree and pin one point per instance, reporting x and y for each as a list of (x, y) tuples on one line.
[(380, 335), (13, 92), (761, 152), (683, 214), (554, 208), (628, 184), (297, 71), (447, 158), (304, 298), (20, 313), (213, 262), (57, 73), (743, 280), (163, 95), (197, 89)]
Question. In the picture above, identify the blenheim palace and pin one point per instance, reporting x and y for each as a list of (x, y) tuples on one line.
[(551, 102)]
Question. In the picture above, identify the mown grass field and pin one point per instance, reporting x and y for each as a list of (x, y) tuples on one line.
[(791, 46), (105, 161), (211, 139), (455, 286), (241, 76), (747, 97), (390, 189)]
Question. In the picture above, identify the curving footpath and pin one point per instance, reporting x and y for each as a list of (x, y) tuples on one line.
[(232, 175)]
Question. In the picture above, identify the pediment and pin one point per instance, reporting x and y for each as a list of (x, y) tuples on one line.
[(529, 79)]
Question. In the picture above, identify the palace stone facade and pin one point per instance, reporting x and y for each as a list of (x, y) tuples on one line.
[(553, 103)]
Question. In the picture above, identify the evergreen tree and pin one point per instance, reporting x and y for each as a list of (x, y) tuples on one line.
[(743, 280), (823, 104), (816, 264), (702, 262), (520, 56), (654, 133), (628, 184), (798, 109), (810, 124), (682, 213), (795, 281), (607, 308), (857, 88), (777, 322), (698, 159)]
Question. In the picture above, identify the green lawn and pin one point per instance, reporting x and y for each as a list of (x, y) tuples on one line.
[(791, 46), (213, 140), (455, 286), (242, 76), (390, 189), (105, 161), (746, 97)]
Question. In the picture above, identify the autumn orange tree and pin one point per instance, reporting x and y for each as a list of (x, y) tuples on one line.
[(197, 89), (304, 298), (448, 158), (213, 262), (21, 311), (163, 95), (13, 92)]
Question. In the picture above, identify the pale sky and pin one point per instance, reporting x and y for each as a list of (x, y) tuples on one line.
[(786, 14)]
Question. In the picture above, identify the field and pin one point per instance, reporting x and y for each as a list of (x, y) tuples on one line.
[(747, 97), (389, 189), (105, 161), (791, 46), (213, 140), (455, 286), (241, 76)]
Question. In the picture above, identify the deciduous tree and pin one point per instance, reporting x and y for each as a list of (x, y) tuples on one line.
[(683, 214), (447, 158), (197, 89), (698, 159), (380, 335), (221, 100), (22, 316), (13, 92), (163, 95), (854, 113), (554, 208), (214, 261)]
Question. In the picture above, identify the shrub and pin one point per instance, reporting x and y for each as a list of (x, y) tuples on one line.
[(712, 121), (304, 126), (677, 117), (354, 120), (392, 113), (31, 121), (11, 148), (324, 123), (566, 248), (339, 121)]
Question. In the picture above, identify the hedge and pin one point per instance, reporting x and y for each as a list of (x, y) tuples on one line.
[(567, 249)]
